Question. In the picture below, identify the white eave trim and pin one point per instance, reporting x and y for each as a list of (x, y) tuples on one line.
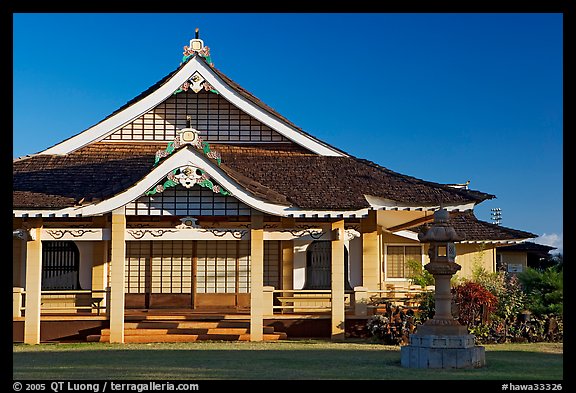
[(407, 234), (183, 157), (503, 242), (378, 203), (113, 123)]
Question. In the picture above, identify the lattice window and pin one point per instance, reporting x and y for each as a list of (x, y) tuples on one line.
[(244, 266), (216, 119), (159, 266), (180, 201), (171, 267), (222, 267), (397, 258), (137, 265)]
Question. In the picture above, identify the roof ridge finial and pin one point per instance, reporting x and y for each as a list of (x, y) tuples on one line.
[(197, 46)]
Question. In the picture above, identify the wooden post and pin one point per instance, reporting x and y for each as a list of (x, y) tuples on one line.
[(288, 257), (338, 306), (118, 256), (256, 276), (100, 265), (370, 251), (33, 284)]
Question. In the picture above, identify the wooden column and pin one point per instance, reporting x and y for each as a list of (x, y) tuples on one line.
[(33, 283), (370, 251), (287, 257), (256, 276), (118, 257), (100, 264), (338, 317)]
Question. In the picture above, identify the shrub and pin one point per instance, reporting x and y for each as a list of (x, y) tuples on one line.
[(474, 303), (426, 306), (393, 327), (418, 275), (544, 291), (507, 289)]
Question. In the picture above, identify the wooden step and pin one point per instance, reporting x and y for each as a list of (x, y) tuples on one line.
[(173, 328), (198, 327), (186, 324), (145, 331), (159, 338)]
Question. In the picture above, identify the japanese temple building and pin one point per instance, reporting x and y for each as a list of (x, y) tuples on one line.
[(195, 195)]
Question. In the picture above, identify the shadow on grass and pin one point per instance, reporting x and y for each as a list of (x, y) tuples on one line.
[(265, 364)]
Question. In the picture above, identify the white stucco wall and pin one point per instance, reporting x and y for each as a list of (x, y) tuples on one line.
[(300, 247)]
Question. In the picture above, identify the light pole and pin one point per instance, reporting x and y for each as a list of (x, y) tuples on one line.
[(496, 215)]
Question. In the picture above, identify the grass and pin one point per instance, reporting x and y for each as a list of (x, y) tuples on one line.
[(283, 360)]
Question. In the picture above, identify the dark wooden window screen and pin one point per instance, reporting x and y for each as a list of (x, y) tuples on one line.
[(272, 260), (60, 265), (319, 266)]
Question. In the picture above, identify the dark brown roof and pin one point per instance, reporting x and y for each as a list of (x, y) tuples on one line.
[(277, 173), (340, 183), (97, 171), (470, 228), (528, 247)]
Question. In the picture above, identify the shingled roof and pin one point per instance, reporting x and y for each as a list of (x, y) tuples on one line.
[(540, 249), (472, 229), (273, 172)]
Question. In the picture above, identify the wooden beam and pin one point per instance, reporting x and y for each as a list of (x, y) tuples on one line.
[(413, 223)]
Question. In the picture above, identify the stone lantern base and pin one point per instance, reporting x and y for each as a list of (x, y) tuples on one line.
[(442, 351)]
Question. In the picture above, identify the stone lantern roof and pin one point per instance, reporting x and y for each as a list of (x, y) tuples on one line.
[(441, 230)]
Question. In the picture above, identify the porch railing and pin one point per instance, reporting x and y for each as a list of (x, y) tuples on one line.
[(302, 300), (371, 301), (89, 300), (361, 301)]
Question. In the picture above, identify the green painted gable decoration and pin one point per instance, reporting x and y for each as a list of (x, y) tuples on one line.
[(188, 176)]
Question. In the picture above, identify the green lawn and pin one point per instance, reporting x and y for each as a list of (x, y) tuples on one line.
[(287, 359)]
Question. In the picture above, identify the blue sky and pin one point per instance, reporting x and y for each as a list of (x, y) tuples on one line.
[(442, 97)]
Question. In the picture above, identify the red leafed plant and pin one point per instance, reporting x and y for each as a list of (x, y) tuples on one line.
[(474, 303)]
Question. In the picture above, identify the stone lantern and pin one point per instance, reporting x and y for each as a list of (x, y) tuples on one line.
[(442, 342)]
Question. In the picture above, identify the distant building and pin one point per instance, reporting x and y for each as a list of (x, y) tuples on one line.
[(515, 258)]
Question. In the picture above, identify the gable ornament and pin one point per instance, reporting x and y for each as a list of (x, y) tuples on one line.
[(188, 176), (191, 136)]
